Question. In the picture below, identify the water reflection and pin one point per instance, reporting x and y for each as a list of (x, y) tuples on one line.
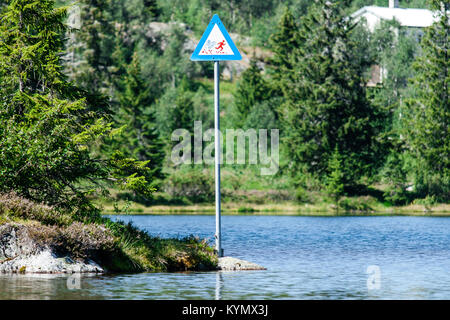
[(219, 285), (44, 287)]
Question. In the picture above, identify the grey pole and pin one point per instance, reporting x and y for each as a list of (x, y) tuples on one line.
[(217, 157)]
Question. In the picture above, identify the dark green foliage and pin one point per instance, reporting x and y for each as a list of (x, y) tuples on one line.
[(239, 15), (283, 42), (93, 58), (356, 205), (357, 4), (427, 115), (335, 179), (140, 138), (195, 185), (46, 129), (395, 174), (174, 63), (326, 105), (301, 195), (175, 111), (263, 115), (252, 89), (396, 48)]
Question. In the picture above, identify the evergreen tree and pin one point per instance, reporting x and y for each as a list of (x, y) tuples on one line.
[(427, 129), (151, 8), (395, 49), (326, 105), (92, 47), (184, 107), (335, 179), (175, 63), (282, 43), (395, 175), (251, 90), (140, 139), (46, 128), (175, 110)]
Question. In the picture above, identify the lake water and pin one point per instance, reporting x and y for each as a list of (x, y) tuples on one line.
[(305, 257)]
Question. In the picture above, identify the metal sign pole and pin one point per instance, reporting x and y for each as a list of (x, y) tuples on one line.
[(216, 45), (217, 157)]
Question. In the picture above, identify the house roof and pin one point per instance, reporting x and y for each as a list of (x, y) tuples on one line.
[(407, 17)]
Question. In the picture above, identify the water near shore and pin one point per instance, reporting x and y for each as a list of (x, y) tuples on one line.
[(305, 257)]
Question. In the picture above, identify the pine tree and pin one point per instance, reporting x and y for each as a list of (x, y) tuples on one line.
[(251, 90), (183, 116), (151, 9), (395, 175), (92, 46), (326, 105), (427, 118), (46, 127), (282, 43), (140, 139), (335, 179)]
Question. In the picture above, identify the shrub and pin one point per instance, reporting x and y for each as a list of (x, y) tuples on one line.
[(301, 195), (427, 202), (354, 205), (246, 210), (197, 186)]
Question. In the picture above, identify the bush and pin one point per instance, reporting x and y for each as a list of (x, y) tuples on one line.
[(197, 186), (395, 175), (427, 202), (432, 185), (246, 210), (301, 195), (355, 205)]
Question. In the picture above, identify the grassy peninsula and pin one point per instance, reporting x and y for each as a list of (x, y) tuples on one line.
[(115, 246)]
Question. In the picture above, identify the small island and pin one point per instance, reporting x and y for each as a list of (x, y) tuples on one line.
[(36, 238)]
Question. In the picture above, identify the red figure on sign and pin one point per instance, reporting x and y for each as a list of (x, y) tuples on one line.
[(221, 44)]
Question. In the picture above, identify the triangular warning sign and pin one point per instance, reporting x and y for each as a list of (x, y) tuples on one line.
[(216, 44)]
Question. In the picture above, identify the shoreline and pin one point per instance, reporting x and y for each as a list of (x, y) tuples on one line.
[(288, 209)]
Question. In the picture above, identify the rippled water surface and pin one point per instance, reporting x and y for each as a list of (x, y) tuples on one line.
[(305, 257)]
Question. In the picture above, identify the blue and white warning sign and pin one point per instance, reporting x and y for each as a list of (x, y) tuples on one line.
[(216, 44)]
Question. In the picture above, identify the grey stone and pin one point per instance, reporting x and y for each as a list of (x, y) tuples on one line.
[(20, 254), (234, 264)]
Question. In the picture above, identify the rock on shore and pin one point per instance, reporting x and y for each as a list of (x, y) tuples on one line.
[(47, 261), (234, 264), (21, 253)]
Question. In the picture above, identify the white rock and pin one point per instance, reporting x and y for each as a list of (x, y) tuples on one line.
[(234, 264), (48, 262)]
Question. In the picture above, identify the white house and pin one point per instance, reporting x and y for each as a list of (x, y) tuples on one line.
[(406, 17), (413, 19)]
